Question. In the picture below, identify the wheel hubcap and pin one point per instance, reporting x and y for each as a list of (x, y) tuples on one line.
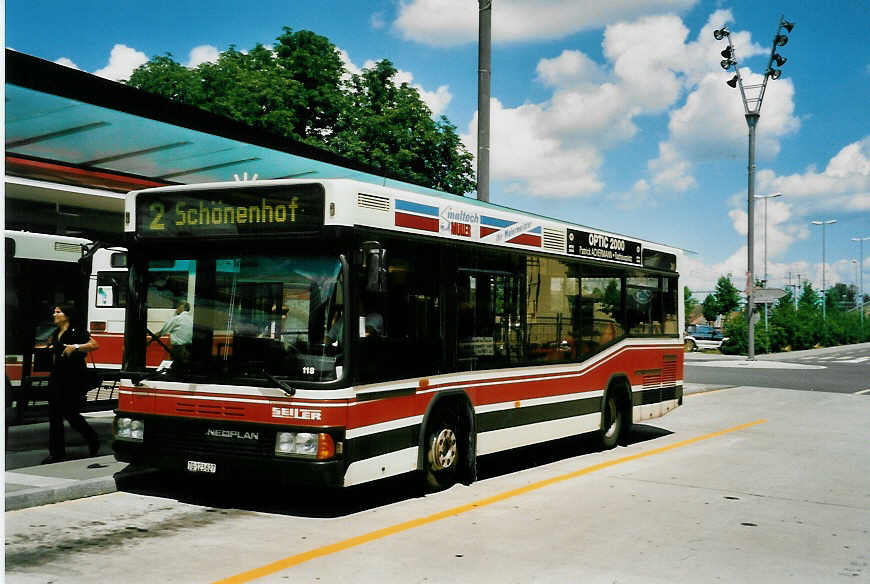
[(442, 451)]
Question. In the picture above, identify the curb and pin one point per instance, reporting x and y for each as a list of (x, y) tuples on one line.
[(38, 496), (50, 488)]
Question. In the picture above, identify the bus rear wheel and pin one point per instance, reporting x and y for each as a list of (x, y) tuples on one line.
[(612, 422), (444, 448)]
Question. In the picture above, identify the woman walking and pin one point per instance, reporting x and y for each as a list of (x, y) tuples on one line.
[(69, 345)]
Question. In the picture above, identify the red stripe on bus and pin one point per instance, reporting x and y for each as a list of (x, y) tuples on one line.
[(527, 239), (481, 392), (416, 222)]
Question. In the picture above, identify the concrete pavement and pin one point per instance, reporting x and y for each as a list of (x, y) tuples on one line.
[(41, 484)]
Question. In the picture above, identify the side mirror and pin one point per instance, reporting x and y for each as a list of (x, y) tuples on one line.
[(375, 267)]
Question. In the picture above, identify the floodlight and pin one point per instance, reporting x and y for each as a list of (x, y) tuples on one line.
[(732, 82), (787, 25), (780, 60), (721, 33), (774, 73), (726, 63), (780, 40), (728, 52)]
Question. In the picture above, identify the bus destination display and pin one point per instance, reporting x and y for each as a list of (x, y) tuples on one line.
[(248, 211), (604, 247)]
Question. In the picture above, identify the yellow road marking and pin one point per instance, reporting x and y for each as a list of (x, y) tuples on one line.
[(326, 550)]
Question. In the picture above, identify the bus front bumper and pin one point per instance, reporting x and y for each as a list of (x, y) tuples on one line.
[(282, 470)]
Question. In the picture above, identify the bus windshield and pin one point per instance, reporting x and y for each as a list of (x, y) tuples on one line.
[(230, 318)]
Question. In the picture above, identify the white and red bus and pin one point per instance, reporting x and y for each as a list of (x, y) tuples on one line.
[(342, 332), (107, 303)]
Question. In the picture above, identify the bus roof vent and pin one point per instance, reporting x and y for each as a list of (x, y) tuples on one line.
[(67, 247), (374, 202), (555, 240)]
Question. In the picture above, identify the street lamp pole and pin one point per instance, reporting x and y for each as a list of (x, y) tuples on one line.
[(766, 197), (824, 298), (752, 111), (861, 241)]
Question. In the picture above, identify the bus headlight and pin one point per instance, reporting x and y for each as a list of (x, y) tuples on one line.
[(305, 444), (129, 429)]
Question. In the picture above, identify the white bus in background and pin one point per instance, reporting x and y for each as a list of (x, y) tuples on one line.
[(107, 298), (107, 302)]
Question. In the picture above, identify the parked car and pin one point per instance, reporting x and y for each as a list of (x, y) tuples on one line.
[(699, 336)]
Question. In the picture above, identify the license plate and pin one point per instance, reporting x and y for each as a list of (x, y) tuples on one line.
[(196, 466)]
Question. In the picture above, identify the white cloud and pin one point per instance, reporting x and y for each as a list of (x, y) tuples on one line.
[(572, 69), (202, 54), (437, 100), (843, 187), (670, 171), (122, 61), (349, 66), (594, 107), (67, 63), (529, 160), (453, 22), (377, 21)]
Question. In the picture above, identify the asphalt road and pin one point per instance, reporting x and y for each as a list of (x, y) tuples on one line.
[(834, 369), (738, 485)]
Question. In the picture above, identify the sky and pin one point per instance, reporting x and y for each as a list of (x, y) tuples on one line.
[(613, 114)]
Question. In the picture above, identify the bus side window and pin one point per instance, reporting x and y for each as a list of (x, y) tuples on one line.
[(402, 325)]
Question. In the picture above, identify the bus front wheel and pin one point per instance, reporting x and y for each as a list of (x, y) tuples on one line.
[(612, 422), (443, 451)]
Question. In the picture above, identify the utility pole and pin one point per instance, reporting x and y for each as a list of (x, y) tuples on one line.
[(484, 75)]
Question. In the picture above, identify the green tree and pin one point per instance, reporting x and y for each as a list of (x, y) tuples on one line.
[(737, 333), (810, 324), (165, 76), (727, 296), (840, 297), (783, 323), (388, 127), (300, 90), (710, 308)]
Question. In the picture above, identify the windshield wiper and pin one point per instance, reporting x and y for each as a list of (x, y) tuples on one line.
[(281, 384)]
